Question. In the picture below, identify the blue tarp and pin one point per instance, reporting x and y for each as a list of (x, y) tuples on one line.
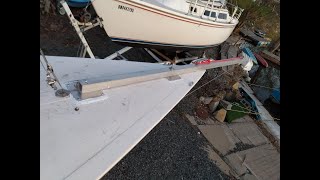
[(78, 3), (250, 54), (276, 96)]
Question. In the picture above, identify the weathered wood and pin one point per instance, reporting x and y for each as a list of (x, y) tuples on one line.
[(270, 57), (275, 46), (232, 52)]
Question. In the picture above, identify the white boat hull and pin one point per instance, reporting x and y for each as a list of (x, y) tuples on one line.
[(140, 23)]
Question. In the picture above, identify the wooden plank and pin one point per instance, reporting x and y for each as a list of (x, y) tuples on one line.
[(270, 57), (252, 36), (261, 60), (232, 52), (275, 46)]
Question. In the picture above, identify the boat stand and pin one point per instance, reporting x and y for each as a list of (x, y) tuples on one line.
[(82, 27), (85, 49)]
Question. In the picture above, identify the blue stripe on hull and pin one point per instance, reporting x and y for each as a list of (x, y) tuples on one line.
[(159, 44)]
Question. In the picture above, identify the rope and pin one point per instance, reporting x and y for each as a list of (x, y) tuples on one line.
[(205, 84), (252, 113), (277, 89), (49, 67), (43, 65), (249, 112)]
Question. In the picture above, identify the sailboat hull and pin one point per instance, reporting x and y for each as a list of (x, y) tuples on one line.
[(138, 23)]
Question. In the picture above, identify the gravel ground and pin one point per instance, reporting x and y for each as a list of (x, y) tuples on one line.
[(173, 149)]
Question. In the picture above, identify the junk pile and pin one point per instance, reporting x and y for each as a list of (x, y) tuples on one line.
[(260, 69), (226, 105)]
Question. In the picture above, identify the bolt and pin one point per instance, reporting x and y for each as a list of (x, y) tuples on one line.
[(76, 109)]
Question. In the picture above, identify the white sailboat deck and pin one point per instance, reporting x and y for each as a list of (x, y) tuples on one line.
[(87, 143)]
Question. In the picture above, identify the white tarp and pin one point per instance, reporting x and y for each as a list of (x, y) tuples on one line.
[(247, 62)]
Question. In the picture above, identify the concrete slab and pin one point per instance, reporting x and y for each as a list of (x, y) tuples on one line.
[(272, 126), (248, 133), (220, 136), (262, 161), (218, 161), (235, 162), (210, 121), (191, 119), (244, 119), (248, 177)]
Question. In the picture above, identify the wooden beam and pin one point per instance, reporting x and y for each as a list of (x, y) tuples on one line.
[(275, 46), (270, 57)]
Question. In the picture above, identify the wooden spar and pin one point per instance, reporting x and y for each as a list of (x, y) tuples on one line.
[(90, 88)]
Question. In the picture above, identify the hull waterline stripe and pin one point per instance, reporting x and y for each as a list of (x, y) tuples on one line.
[(156, 43)]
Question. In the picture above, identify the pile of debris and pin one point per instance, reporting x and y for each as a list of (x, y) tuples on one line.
[(227, 104)]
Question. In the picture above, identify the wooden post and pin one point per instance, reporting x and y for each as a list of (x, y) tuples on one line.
[(275, 46)]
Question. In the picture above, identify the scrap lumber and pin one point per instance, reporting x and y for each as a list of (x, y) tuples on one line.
[(270, 57)]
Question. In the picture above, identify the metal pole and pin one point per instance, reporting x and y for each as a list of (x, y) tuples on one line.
[(206, 7), (153, 55), (114, 55), (195, 4), (234, 12), (77, 28), (211, 10)]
